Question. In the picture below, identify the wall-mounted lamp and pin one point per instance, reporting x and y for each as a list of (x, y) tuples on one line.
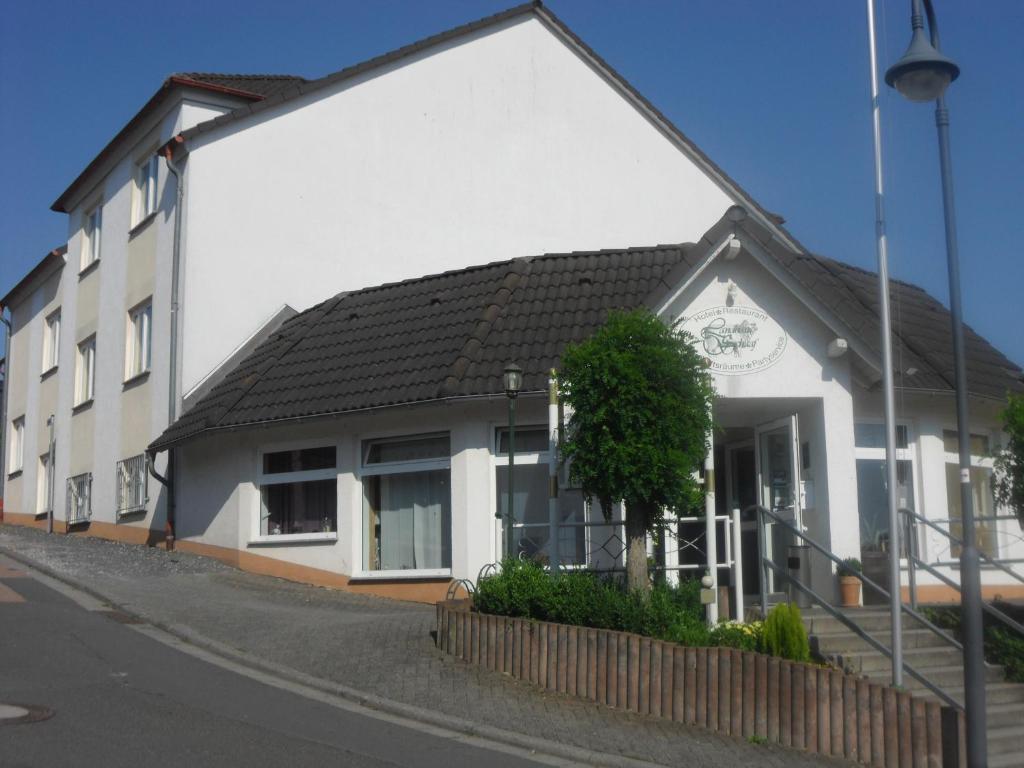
[(838, 347)]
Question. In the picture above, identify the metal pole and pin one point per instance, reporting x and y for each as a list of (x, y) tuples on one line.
[(895, 589), (762, 556), (737, 562), (50, 422), (510, 517), (711, 525), (554, 556)]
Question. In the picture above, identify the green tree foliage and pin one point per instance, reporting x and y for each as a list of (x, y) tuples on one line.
[(785, 634), (641, 399), (1008, 479)]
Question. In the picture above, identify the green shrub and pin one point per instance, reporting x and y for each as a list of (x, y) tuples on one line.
[(785, 634), (736, 634), (1007, 648)]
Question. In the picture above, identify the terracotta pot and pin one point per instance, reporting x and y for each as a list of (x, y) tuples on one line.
[(849, 591)]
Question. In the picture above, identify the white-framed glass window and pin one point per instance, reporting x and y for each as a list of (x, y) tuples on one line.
[(92, 234), (872, 482), (16, 456), (138, 354), (144, 196), (407, 505), (78, 507), (298, 491), (44, 485), (531, 531), (51, 341), (85, 370), (132, 485), (986, 528)]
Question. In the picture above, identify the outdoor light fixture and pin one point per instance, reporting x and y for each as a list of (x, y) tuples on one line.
[(513, 380), (923, 74)]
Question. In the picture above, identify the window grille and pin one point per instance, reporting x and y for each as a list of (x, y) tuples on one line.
[(132, 485), (79, 499)]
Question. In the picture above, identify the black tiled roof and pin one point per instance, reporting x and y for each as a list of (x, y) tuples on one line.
[(450, 335), (258, 85)]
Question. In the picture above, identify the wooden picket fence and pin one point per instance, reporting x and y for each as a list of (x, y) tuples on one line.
[(745, 694)]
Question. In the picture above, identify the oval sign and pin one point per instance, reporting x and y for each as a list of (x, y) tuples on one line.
[(736, 340)]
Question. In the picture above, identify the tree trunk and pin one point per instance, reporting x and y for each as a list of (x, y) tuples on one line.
[(636, 549)]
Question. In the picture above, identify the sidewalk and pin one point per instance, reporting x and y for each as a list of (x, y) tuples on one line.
[(378, 651)]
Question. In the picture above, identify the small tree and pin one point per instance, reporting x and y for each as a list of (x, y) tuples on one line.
[(641, 411), (1008, 479)]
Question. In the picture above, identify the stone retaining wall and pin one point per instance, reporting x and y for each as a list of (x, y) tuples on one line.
[(748, 695)]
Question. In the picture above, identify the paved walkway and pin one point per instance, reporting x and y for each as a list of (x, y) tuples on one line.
[(379, 651)]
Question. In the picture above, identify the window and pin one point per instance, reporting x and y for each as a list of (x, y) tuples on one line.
[(79, 499), (51, 341), (91, 237), (85, 371), (986, 532), (299, 492), (132, 485), (138, 355), (44, 485), (17, 449), (532, 527), (407, 514), (144, 196), (872, 493)]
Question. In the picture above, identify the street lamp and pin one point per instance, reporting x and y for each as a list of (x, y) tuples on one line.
[(513, 380), (924, 74)]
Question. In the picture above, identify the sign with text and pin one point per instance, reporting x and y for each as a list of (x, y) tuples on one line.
[(736, 340)]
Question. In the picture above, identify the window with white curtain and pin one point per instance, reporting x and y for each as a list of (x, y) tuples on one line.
[(51, 341), (407, 512), (144, 197), (986, 529), (44, 485), (85, 371), (91, 234), (872, 479), (138, 354), (17, 449), (299, 493)]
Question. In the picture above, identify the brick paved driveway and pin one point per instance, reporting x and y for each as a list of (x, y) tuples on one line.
[(373, 645)]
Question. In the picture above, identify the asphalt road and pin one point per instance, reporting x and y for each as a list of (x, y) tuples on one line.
[(123, 695)]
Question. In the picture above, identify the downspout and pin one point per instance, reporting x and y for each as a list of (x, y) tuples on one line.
[(3, 407), (172, 378)]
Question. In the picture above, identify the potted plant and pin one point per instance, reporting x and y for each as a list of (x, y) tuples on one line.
[(849, 582)]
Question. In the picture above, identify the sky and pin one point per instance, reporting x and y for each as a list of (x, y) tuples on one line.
[(777, 93)]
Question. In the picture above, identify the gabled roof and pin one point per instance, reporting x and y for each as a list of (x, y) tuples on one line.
[(249, 87), (51, 262), (449, 336), (536, 9)]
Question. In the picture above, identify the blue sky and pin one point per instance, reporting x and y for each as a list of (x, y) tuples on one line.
[(776, 93)]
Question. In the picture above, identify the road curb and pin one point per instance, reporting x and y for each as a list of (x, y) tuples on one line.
[(362, 698)]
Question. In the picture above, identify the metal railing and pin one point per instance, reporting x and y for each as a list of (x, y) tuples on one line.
[(78, 507), (769, 567), (132, 485), (914, 562)]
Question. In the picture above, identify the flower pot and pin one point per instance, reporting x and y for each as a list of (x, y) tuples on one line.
[(849, 591)]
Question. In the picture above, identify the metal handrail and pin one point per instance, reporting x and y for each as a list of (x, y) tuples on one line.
[(876, 644), (959, 542)]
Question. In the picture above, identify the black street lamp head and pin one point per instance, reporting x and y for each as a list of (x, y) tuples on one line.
[(923, 74), (513, 380)]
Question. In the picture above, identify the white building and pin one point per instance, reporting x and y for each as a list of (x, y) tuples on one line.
[(494, 140)]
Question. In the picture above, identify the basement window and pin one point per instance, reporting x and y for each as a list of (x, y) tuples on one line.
[(407, 509), (298, 495)]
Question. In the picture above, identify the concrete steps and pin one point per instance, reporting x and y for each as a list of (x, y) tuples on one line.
[(931, 656)]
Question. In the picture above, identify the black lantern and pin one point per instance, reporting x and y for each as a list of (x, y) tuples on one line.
[(513, 378)]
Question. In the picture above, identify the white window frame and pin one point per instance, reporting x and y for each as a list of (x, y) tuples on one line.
[(78, 487), (144, 193), (44, 485), (977, 462), (902, 454), (92, 236), (85, 371), (302, 476), (132, 473), (16, 459), (398, 468), (138, 357), (51, 341)]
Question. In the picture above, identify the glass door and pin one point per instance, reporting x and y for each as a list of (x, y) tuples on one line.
[(778, 471)]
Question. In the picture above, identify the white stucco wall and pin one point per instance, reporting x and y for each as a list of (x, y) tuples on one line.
[(505, 144)]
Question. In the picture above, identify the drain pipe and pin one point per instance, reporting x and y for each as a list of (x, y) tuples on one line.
[(172, 378)]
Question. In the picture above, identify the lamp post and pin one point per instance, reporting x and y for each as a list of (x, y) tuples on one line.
[(922, 75), (513, 380)]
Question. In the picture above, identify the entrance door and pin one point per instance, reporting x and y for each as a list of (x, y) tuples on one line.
[(741, 494), (778, 471)]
